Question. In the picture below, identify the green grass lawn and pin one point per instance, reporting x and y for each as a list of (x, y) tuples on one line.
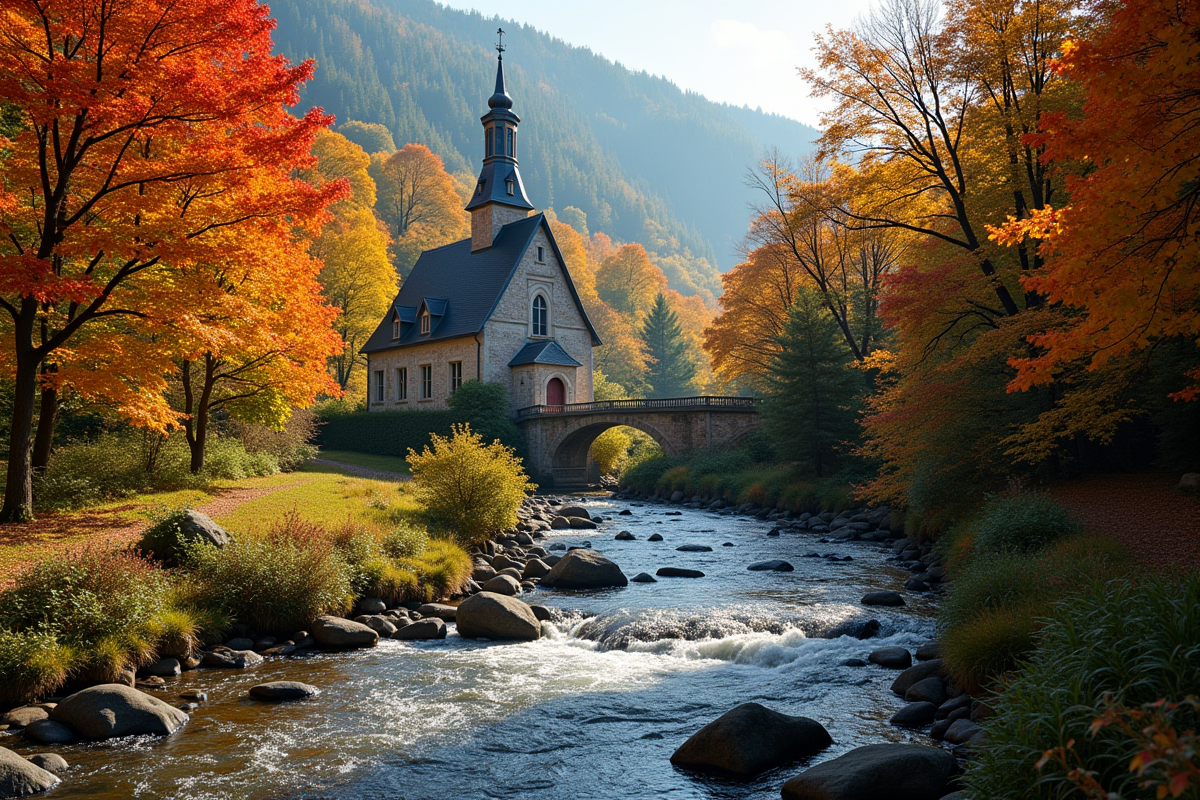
[(367, 460), (323, 494)]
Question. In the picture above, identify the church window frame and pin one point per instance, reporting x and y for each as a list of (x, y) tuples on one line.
[(510, 186), (512, 143), (456, 376), (499, 140), (379, 386), (539, 316), (490, 144), (395, 326), (426, 323), (541, 255), (401, 384)]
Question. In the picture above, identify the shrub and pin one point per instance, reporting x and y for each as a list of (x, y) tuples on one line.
[(110, 607), (997, 602), (290, 446), (484, 406), (470, 488), (385, 433), (1134, 642), (405, 541), (1021, 524), (278, 581), (643, 475)]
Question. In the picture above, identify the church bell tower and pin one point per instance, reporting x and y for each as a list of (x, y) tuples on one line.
[(499, 193)]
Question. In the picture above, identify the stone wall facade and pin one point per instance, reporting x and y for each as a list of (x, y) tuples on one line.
[(438, 355)]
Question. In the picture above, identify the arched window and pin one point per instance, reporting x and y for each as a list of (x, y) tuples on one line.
[(512, 152), (425, 322), (541, 317)]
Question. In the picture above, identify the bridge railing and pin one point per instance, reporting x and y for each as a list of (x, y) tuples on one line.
[(677, 403)]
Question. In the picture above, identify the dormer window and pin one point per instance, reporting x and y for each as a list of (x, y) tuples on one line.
[(425, 322), (395, 326), (540, 317), (479, 188), (510, 186)]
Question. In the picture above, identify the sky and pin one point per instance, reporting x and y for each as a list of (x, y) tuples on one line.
[(744, 52)]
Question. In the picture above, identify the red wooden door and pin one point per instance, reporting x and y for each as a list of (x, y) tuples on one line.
[(556, 392)]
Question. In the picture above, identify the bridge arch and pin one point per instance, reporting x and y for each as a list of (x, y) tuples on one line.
[(560, 437)]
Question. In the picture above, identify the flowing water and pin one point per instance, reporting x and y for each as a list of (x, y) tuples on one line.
[(592, 710)]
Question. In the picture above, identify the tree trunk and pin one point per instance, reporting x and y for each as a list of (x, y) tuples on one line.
[(196, 427), (18, 486), (47, 415)]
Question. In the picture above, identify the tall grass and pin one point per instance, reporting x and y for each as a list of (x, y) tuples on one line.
[(90, 613), (1134, 642)]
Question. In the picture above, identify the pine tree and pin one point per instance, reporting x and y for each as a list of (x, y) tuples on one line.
[(811, 406), (670, 369)]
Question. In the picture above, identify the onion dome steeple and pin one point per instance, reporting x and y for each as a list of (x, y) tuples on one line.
[(499, 196)]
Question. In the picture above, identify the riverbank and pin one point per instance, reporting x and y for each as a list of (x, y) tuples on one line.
[(622, 676)]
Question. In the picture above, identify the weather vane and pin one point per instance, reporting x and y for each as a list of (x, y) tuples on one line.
[(500, 43)]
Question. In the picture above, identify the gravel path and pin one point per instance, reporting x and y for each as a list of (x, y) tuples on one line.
[(364, 472)]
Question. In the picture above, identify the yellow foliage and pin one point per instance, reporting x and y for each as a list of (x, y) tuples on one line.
[(611, 449), (471, 488)]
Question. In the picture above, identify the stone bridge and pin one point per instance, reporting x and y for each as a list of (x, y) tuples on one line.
[(560, 437)]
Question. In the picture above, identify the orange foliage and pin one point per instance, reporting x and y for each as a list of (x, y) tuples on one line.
[(155, 136), (1122, 254)]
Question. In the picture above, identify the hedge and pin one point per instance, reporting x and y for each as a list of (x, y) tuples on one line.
[(384, 433)]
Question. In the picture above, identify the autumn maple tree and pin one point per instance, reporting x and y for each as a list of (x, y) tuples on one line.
[(152, 136), (1122, 252), (418, 200)]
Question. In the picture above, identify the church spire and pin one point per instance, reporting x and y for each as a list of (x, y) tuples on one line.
[(499, 193)]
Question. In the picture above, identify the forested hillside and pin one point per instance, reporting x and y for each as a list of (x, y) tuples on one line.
[(644, 160)]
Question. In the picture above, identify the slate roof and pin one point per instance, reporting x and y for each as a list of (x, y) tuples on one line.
[(544, 351), (461, 288)]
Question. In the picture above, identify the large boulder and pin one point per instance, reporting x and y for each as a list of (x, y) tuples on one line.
[(276, 691), (678, 572), (335, 633), (442, 611), (774, 565), (574, 511), (429, 628), (197, 527), (535, 568), (112, 709), (892, 771), (21, 778), (891, 657), (23, 716), (47, 731), (487, 615), (882, 599), (750, 739), (584, 569), (231, 659)]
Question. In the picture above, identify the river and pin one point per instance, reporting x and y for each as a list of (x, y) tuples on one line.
[(594, 709)]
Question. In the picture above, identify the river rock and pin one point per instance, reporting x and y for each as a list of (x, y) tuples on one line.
[(774, 565), (535, 568), (560, 523), (914, 715), (503, 584), (882, 599), (750, 739), (283, 690), (47, 731), (891, 657), (581, 524), (654, 537), (503, 562), (198, 527), (442, 611), (694, 548), (927, 690), (25, 715), (240, 643), (960, 731), (643, 577), (163, 668), (381, 625), (893, 771), (919, 672), (483, 573), (430, 628), (625, 536), (335, 633), (231, 659), (858, 628), (543, 613), (494, 616), (574, 511), (929, 651), (111, 709), (51, 762), (21, 778), (584, 569), (678, 572)]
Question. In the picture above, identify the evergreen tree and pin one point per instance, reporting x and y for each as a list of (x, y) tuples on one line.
[(670, 369), (811, 407)]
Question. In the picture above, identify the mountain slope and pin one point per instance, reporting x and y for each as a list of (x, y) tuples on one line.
[(646, 161)]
